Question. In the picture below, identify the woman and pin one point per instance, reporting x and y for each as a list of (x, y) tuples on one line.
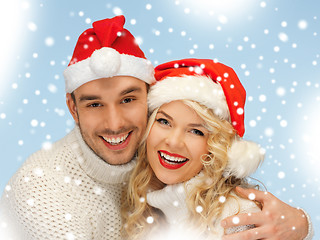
[(193, 156)]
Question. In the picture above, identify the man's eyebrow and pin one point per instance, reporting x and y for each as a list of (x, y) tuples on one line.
[(89, 98), (165, 114), (97, 97), (130, 90)]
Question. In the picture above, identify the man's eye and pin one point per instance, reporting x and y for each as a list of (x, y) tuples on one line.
[(95, 105), (127, 100), (163, 121), (197, 132)]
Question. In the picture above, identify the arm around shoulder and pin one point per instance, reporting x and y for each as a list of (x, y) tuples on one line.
[(277, 219)]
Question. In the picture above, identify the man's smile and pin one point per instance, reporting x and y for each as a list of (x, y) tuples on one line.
[(117, 142)]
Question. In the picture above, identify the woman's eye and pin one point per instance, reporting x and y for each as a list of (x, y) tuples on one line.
[(162, 121), (197, 132)]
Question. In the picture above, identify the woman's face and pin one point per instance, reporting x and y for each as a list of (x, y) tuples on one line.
[(176, 142)]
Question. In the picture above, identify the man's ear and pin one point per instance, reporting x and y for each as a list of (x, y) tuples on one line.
[(72, 107)]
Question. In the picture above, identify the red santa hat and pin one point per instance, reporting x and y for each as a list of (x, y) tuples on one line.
[(216, 86), (106, 50)]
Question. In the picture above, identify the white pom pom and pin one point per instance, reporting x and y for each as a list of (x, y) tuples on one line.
[(244, 158), (105, 62)]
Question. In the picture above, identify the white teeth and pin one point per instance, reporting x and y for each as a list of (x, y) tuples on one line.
[(115, 141), (171, 158)]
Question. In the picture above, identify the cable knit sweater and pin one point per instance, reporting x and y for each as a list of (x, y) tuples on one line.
[(66, 192), (171, 200)]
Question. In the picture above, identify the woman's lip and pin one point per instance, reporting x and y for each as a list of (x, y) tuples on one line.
[(171, 154), (170, 166)]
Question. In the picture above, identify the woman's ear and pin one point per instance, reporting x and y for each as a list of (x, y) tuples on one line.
[(72, 107)]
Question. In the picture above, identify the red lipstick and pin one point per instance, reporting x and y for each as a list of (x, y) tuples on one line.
[(170, 164)]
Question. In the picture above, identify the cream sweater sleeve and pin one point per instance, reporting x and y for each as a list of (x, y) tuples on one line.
[(310, 227), (236, 205), (10, 228)]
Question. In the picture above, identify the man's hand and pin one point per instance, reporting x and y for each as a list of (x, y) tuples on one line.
[(277, 220)]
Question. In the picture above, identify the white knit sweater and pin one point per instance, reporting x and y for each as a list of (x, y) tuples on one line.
[(171, 200), (67, 192)]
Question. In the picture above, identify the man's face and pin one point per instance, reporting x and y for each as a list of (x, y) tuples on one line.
[(112, 116)]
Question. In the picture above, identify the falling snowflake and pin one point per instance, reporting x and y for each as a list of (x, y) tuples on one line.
[(49, 41), (302, 24), (150, 220)]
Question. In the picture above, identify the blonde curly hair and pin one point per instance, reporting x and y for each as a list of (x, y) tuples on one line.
[(206, 193)]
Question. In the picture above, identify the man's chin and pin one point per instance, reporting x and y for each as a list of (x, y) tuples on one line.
[(119, 160), (115, 163)]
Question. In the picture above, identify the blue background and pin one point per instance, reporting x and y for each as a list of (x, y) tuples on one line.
[(274, 46)]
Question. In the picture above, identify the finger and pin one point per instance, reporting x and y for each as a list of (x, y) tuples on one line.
[(254, 194), (242, 220), (251, 234)]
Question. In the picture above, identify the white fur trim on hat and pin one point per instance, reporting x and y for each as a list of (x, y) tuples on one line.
[(244, 157), (201, 89), (107, 62)]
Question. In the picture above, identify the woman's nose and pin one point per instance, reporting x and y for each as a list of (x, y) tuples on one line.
[(175, 138)]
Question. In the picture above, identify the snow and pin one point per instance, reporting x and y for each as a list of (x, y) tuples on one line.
[(49, 41), (150, 220), (199, 209), (273, 46), (235, 220), (302, 24), (117, 11), (32, 26), (283, 37), (133, 21)]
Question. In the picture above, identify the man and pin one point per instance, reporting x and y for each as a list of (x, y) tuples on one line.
[(73, 190)]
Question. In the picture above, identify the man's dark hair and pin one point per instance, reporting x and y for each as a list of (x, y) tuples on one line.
[(73, 97)]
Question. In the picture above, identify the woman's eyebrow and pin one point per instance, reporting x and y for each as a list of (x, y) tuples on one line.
[(165, 114), (197, 125)]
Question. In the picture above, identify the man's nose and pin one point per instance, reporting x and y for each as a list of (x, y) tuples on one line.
[(114, 118)]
